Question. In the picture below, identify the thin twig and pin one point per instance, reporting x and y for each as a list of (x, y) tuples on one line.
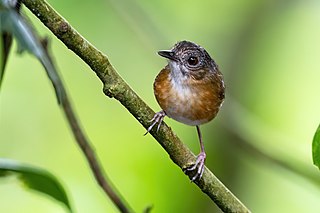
[(80, 137), (116, 87), (91, 157)]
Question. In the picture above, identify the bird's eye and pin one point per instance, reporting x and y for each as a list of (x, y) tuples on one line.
[(193, 61)]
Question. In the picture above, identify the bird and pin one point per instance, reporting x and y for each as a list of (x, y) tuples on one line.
[(189, 89)]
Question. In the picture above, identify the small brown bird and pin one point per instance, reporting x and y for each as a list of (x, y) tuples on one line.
[(190, 89)]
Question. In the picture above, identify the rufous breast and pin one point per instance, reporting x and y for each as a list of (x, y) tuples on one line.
[(190, 101)]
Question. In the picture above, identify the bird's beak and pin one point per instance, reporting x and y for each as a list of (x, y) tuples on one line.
[(167, 54)]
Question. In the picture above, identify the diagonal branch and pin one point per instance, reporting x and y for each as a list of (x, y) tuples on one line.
[(115, 87), (91, 157)]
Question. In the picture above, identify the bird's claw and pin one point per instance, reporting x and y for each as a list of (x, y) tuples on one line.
[(157, 118), (198, 164)]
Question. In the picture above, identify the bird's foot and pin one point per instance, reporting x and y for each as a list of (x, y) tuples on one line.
[(157, 118), (198, 166)]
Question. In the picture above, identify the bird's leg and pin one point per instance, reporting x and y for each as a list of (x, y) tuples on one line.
[(200, 159), (157, 118)]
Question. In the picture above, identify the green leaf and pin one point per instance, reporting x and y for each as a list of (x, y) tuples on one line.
[(316, 148), (13, 23), (5, 38), (35, 179)]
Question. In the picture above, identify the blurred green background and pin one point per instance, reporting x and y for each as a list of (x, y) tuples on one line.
[(259, 145)]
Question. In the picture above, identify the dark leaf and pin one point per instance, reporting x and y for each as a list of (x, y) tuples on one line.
[(35, 179), (13, 23), (6, 41), (316, 148), (148, 209)]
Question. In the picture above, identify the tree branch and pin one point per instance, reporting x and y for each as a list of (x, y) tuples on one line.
[(91, 157), (115, 87)]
